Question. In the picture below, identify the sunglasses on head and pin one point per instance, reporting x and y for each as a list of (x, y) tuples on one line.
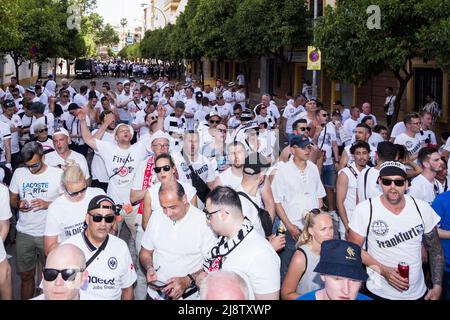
[(315, 211), (305, 128), (166, 168), (97, 218), (76, 193), (43, 130), (388, 182), (66, 274)]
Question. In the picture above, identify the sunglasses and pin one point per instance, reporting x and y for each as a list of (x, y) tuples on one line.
[(305, 128), (64, 96), (222, 130), (34, 165), (388, 182), (166, 168), (43, 130), (209, 214), (214, 122), (76, 193), (315, 211), (159, 145), (66, 274), (325, 115), (98, 218)]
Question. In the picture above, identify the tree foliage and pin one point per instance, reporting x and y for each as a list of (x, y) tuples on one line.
[(409, 29)]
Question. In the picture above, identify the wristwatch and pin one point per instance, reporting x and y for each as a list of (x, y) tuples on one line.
[(192, 285)]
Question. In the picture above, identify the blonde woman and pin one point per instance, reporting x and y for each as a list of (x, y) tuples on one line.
[(301, 277), (67, 213)]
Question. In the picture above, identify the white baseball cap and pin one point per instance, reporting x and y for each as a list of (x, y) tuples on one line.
[(61, 131)]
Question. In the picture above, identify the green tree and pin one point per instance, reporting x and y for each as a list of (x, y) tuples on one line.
[(409, 29), (108, 36)]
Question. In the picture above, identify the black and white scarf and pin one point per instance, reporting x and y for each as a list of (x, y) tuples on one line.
[(215, 258)]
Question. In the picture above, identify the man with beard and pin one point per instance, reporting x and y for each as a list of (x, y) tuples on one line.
[(425, 186), (394, 226)]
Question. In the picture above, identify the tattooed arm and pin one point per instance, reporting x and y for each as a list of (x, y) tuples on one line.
[(436, 258)]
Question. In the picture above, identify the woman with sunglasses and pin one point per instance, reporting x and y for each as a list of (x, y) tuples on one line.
[(41, 136), (166, 172), (301, 277), (66, 214), (216, 150)]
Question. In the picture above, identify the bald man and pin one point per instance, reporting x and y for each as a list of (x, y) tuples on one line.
[(64, 274), (226, 285)]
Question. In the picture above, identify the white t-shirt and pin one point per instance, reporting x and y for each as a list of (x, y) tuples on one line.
[(398, 129), (112, 270), (45, 186), (98, 167), (326, 142), (15, 122), (66, 218), (5, 214), (191, 107), (51, 87), (202, 167), (250, 211), (412, 144), (393, 239), (181, 247), (227, 178), (257, 262), (371, 188), (297, 191), (53, 159), (140, 119), (363, 115), (350, 127), (421, 188), (189, 190), (292, 113), (121, 166), (48, 120), (426, 134), (390, 100), (5, 134)]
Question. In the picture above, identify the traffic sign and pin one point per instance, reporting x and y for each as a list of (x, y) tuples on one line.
[(314, 58)]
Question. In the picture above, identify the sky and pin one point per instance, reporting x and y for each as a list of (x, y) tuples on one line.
[(114, 10)]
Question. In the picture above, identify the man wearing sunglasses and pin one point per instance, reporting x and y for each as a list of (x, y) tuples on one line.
[(394, 226), (32, 189), (111, 272), (64, 274)]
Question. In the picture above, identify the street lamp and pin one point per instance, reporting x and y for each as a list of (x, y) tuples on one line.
[(153, 8)]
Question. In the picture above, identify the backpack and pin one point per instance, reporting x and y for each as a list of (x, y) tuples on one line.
[(264, 216)]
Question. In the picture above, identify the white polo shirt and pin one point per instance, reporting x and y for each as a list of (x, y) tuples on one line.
[(179, 248), (189, 190), (112, 270), (66, 218)]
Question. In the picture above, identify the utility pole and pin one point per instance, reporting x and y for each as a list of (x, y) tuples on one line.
[(314, 84)]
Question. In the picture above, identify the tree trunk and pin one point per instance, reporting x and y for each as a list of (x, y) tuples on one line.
[(246, 77), (68, 69), (291, 86), (40, 71), (401, 90)]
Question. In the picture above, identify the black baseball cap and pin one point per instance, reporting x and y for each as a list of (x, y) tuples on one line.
[(300, 141), (73, 106), (255, 163), (95, 203)]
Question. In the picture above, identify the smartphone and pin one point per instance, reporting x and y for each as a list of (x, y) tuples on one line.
[(157, 284)]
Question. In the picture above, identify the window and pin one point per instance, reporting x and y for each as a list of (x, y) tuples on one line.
[(319, 7), (427, 80)]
